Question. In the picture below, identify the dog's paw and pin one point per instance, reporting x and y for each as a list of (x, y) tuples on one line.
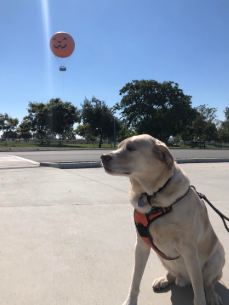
[(160, 283), (180, 281), (212, 297)]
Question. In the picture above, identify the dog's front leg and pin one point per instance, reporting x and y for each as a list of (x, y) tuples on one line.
[(192, 262), (142, 251)]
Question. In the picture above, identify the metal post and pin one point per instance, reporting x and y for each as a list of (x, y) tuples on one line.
[(114, 134)]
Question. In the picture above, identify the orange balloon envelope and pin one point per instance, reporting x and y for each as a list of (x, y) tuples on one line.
[(62, 44)]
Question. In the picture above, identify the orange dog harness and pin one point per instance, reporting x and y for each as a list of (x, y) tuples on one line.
[(142, 223)]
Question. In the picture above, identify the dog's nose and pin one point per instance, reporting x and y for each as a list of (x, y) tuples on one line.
[(106, 157)]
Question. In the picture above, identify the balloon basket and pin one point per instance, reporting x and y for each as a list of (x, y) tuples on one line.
[(62, 68)]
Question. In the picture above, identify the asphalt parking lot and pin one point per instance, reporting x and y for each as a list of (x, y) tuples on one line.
[(94, 155)]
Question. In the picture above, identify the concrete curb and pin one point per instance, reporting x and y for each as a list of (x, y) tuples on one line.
[(202, 160), (69, 165)]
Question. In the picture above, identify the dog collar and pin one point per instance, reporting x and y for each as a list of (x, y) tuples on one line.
[(141, 202)]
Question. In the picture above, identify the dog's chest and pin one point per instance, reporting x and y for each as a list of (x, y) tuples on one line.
[(165, 235)]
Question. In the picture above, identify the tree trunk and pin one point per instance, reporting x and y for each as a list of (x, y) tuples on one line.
[(100, 141)]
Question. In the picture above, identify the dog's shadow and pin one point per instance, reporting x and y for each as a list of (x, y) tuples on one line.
[(184, 295)]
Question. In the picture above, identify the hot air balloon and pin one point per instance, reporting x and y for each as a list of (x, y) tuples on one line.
[(62, 46)]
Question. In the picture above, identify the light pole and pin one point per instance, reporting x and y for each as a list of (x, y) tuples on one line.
[(114, 134)]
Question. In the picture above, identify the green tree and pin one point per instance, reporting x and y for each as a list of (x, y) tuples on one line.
[(209, 114), (61, 116), (204, 126), (226, 112), (24, 129), (159, 109), (125, 132), (8, 125), (188, 133), (52, 119), (69, 134), (3, 121), (224, 127), (99, 117), (10, 134), (85, 132), (37, 119)]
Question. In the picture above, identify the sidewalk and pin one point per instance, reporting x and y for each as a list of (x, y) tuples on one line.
[(67, 236), (14, 162)]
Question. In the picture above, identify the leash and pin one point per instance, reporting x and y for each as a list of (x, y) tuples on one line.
[(223, 217)]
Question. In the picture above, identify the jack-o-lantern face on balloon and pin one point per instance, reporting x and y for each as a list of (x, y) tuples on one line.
[(62, 44)]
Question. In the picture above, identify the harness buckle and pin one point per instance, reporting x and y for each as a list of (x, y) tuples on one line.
[(155, 210)]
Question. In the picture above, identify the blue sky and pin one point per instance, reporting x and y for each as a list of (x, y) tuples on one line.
[(116, 42)]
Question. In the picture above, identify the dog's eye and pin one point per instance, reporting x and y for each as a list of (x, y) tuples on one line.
[(130, 148)]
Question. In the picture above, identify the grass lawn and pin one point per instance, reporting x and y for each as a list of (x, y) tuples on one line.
[(66, 145)]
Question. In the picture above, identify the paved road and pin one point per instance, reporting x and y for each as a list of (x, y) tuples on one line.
[(94, 155)]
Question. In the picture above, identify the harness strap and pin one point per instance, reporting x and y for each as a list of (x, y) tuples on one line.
[(143, 221)]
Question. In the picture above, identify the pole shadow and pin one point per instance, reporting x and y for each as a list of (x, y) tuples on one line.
[(184, 295)]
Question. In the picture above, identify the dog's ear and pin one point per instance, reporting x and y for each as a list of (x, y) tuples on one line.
[(163, 153)]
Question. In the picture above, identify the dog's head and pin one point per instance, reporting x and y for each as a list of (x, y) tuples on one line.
[(138, 157)]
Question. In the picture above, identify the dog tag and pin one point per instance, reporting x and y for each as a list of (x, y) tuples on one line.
[(141, 202)]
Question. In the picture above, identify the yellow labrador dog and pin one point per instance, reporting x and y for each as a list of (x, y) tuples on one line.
[(192, 253)]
